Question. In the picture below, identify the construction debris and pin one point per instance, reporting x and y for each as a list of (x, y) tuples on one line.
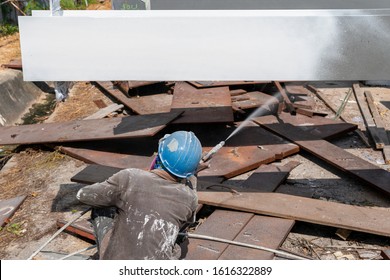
[(242, 177)]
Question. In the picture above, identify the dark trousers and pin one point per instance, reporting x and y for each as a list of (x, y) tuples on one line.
[(102, 222)]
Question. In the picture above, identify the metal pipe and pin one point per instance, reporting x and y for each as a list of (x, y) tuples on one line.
[(278, 252)]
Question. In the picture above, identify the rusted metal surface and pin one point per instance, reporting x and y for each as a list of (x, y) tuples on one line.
[(385, 254), (94, 174), (8, 207), (151, 104), (300, 95), (13, 64), (357, 218), (110, 89), (100, 103), (142, 105), (205, 84), (323, 128), (267, 178), (245, 151), (108, 159), (136, 84), (380, 126), (263, 231), (221, 224), (255, 99), (82, 130), (286, 99), (367, 117), (82, 228), (367, 172), (236, 92), (123, 86), (211, 105)]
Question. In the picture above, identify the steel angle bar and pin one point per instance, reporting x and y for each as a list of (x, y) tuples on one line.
[(207, 45)]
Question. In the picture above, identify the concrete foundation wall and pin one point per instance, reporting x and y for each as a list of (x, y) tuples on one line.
[(16, 96)]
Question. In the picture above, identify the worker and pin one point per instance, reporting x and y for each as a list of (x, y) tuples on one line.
[(137, 214)]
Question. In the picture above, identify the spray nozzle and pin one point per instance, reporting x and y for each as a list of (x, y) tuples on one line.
[(213, 151)]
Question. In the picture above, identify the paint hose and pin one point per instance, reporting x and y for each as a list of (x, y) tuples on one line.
[(58, 232), (211, 238)]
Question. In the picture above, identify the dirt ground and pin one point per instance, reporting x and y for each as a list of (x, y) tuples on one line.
[(43, 175)]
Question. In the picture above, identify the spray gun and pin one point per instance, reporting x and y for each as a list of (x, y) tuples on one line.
[(213, 151)]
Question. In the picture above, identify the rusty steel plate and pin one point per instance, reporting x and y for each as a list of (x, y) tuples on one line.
[(359, 168), (319, 127), (8, 208), (221, 224), (263, 231), (256, 99), (205, 84), (83, 130), (151, 104), (247, 150), (268, 177), (211, 105), (108, 158), (94, 173), (82, 228)]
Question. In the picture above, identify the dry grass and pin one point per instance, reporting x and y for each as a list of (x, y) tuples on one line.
[(9, 48), (79, 104)]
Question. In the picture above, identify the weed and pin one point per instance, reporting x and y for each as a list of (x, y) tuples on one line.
[(16, 228), (8, 29)]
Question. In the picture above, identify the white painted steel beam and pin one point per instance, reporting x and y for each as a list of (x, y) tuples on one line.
[(207, 45)]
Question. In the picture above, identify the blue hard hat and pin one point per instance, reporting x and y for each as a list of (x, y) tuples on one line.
[(180, 153)]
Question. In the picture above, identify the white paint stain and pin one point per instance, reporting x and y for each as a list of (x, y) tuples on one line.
[(6, 210), (3, 121), (173, 145)]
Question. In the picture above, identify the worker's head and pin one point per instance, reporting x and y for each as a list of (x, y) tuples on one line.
[(180, 153)]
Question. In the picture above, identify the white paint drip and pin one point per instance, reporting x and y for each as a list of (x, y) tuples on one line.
[(3, 121), (173, 145)]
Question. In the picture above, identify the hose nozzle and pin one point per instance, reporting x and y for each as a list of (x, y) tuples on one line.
[(213, 151)]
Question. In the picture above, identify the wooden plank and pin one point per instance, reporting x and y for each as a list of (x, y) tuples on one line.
[(8, 207), (381, 129), (104, 112), (363, 219), (263, 231), (286, 99), (267, 178), (255, 99), (246, 151), (83, 130), (353, 165), (368, 119), (108, 159), (210, 105), (221, 224)]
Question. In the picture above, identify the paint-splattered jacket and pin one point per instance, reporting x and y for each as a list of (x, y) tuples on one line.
[(151, 210)]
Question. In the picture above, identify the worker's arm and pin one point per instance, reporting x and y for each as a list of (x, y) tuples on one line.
[(102, 194)]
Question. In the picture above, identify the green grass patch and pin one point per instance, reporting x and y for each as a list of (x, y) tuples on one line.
[(8, 29)]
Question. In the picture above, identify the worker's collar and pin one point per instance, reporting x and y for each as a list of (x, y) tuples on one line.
[(165, 175)]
